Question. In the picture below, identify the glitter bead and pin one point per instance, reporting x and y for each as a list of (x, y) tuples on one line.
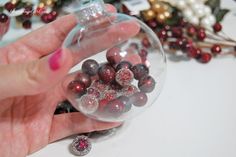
[(88, 104), (129, 90), (124, 77), (99, 85), (110, 95), (81, 146)]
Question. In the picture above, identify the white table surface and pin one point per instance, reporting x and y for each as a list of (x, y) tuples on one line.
[(195, 116)]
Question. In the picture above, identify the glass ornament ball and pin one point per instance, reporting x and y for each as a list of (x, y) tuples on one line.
[(120, 57)]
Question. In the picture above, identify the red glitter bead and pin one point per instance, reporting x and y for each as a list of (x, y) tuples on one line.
[(139, 99), (88, 104), (124, 77), (99, 85), (94, 92), (106, 73), (217, 27), (110, 95), (77, 87), (114, 55), (216, 49), (84, 78), (129, 90), (9, 6), (147, 84), (81, 146), (205, 57)]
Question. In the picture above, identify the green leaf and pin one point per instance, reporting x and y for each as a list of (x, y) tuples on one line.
[(220, 14), (213, 4)]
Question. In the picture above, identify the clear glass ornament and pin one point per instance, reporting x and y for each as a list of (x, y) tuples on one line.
[(126, 69)]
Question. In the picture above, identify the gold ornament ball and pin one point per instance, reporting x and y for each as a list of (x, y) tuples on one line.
[(167, 14), (161, 18), (159, 7), (148, 15)]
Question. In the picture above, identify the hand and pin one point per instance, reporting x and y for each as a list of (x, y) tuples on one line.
[(30, 89)]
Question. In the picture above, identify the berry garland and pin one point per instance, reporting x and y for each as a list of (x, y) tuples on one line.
[(190, 27)]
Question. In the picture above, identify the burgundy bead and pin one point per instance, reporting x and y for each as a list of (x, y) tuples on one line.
[(116, 107), (124, 77), (146, 43), (27, 24), (205, 57), (201, 35), (114, 55), (9, 6), (191, 30), (3, 18), (216, 49), (162, 34), (77, 87), (177, 32), (84, 78), (139, 99), (115, 86), (93, 91), (106, 73), (123, 65), (90, 67), (127, 104), (45, 18), (217, 27), (194, 52), (182, 22), (28, 12), (147, 84), (152, 23), (54, 14), (139, 71)]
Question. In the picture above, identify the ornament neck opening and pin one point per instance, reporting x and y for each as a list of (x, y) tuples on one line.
[(88, 10)]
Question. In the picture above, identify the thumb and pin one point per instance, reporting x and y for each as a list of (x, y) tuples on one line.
[(34, 77)]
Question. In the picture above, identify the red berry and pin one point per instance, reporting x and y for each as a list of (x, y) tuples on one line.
[(217, 27), (3, 18), (106, 73), (162, 34), (139, 71), (152, 23), (84, 78), (205, 57), (191, 30), (194, 52), (28, 12), (177, 32), (201, 35), (147, 84), (114, 55), (124, 77), (216, 49), (90, 67), (27, 24), (139, 99), (9, 6), (146, 43), (77, 87)]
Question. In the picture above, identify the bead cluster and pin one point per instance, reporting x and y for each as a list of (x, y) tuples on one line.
[(110, 88)]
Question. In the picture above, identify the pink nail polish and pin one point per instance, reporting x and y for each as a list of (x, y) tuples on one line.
[(54, 60)]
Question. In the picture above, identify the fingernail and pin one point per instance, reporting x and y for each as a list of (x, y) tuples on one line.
[(54, 60)]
